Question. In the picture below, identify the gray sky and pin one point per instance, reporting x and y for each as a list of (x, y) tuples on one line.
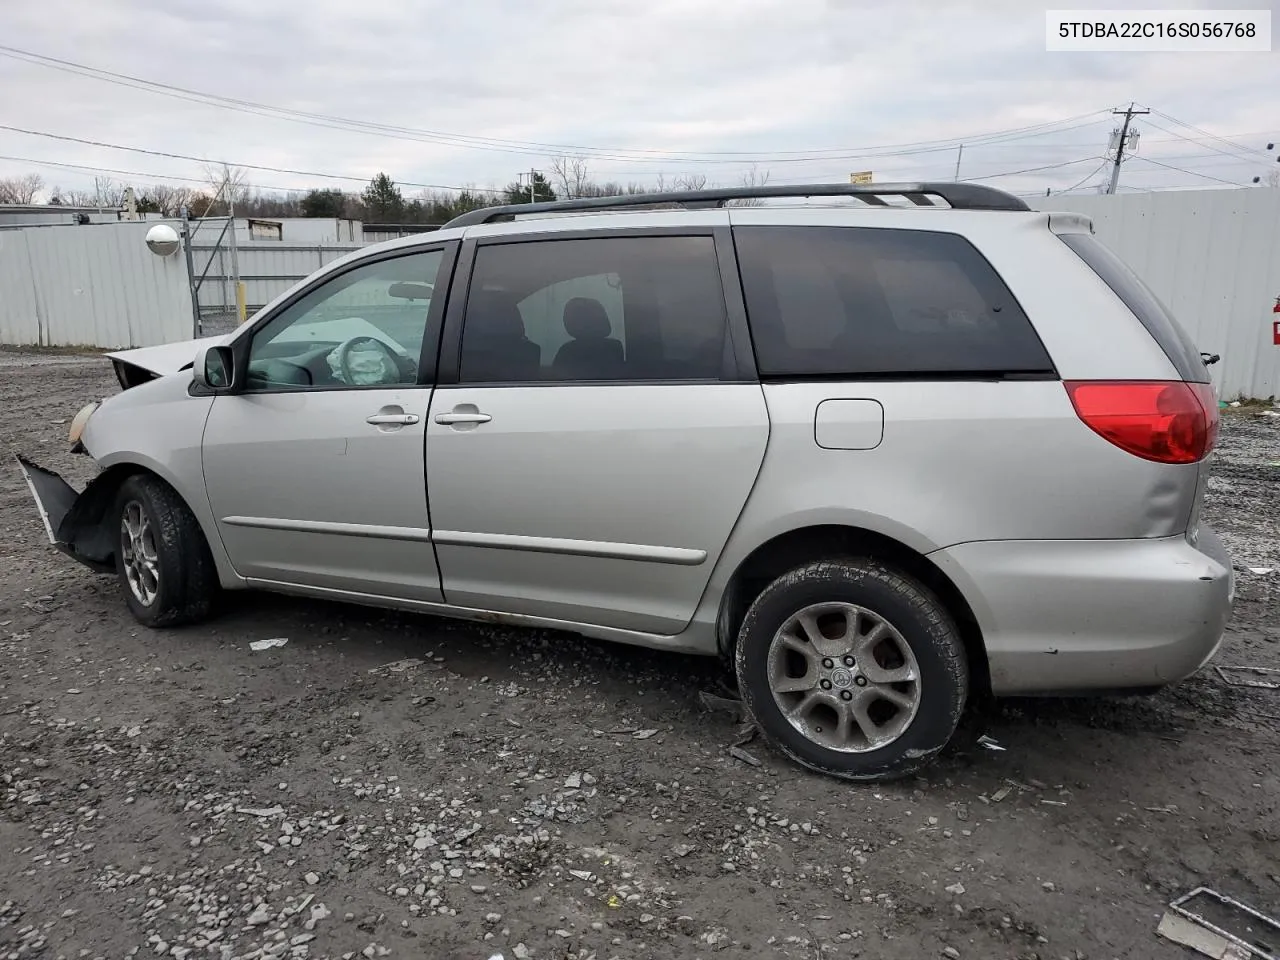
[(797, 88)]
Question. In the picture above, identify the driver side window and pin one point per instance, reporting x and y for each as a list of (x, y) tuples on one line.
[(362, 328)]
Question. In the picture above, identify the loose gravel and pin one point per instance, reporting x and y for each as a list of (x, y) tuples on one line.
[(388, 785)]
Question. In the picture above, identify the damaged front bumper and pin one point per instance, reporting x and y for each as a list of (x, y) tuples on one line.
[(73, 521)]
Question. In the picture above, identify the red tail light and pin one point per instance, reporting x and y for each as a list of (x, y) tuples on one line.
[(1164, 421)]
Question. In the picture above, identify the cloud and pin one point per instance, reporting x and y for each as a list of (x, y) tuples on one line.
[(733, 81)]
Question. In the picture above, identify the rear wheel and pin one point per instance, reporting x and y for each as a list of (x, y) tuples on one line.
[(162, 558), (852, 668)]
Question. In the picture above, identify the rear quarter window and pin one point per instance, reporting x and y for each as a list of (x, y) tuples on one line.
[(864, 301), (1143, 304)]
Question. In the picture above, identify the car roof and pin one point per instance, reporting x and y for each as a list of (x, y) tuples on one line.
[(884, 205)]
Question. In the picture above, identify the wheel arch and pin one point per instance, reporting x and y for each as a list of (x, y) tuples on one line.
[(790, 549), (84, 531), (93, 543)]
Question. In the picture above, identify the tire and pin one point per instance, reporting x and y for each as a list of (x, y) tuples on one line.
[(171, 545), (910, 720)]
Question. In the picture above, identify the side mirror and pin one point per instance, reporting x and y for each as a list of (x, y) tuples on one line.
[(214, 369)]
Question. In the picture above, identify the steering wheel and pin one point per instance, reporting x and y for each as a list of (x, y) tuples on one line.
[(391, 369)]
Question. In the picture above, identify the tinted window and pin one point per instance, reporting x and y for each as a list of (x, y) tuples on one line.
[(1145, 305), (850, 301), (617, 308), (362, 328)]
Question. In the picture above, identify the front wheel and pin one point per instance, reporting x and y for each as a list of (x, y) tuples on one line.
[(162, 559), (852, 668)]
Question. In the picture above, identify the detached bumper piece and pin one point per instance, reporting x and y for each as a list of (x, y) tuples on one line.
[(72, 520)]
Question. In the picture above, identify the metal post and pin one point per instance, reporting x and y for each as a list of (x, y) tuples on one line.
[(235, 259), (224, 275), (191, 275)]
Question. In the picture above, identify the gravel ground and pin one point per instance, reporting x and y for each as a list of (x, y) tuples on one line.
[(396, 785)]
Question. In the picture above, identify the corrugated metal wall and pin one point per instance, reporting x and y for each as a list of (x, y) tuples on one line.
[(19, 315), (1213, 257), (267, 268), (90, 285), (100, 286)]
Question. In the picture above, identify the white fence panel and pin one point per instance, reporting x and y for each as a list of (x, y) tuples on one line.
[(97, 286), (1213, 257), (20, 321), (267, 270)]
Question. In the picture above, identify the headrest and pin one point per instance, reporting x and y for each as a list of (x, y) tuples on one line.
[(586, 319), (493, 314)]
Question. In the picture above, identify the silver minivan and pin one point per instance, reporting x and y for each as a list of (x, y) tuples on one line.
[(882, 454)]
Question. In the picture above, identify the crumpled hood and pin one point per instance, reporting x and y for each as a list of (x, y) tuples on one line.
[(146, 363)]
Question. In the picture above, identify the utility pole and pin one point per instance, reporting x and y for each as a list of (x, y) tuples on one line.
[(532, 174), (1121, 143), (959, 154)]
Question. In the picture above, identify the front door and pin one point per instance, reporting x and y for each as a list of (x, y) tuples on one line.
[(594, 455), (315, 472)]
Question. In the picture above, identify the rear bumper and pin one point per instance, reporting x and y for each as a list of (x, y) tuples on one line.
[(1072, 616)]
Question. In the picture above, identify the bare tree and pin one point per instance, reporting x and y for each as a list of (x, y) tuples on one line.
[(569, 177), (21, 189), (229, 187), (107, 192), (72, 198), (689, 181), (169, 200), (752, 178)]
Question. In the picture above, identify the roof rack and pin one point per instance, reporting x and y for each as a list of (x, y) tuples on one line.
[(957, 196)]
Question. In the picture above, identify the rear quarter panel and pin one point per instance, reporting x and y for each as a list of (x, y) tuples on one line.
[(958, 461), (1087, 329)]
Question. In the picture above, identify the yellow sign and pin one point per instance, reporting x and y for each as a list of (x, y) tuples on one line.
[(863, 177)]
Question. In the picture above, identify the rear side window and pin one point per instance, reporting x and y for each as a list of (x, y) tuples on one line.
[(860, 301), (623, 308), (1143, 304)]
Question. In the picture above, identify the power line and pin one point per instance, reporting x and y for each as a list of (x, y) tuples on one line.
[(1209, 159), (1235, 156), (1193, 173), (138, 173), (1088, 177), (1208, 146), (993, 139), (1014, 173), (935, 171), (1212, 136), (246, 166), (518, 146), (148, 175)]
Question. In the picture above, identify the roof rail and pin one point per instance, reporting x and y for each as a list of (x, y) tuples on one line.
[(958, 196)]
